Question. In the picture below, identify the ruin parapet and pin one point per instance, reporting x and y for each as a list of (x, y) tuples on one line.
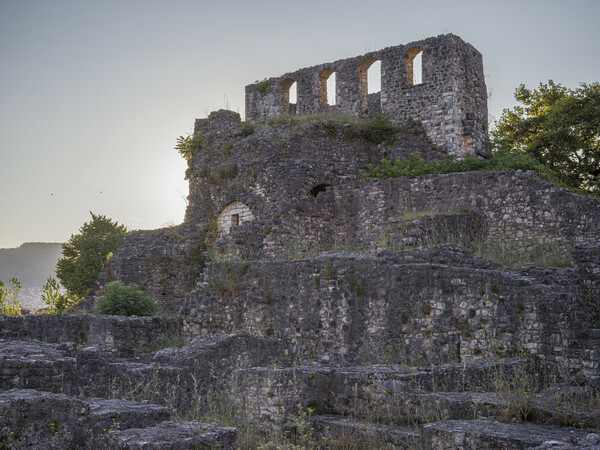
[(450, 100)]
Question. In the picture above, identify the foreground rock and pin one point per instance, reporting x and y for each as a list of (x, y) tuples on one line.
[(34, 419)]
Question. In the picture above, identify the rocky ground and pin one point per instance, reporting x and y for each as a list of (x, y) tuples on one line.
[(59, 395)]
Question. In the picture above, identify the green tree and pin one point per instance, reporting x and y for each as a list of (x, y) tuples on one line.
[(86, 252), (560, 127), (120, 299), (56, 301), (9, 297)]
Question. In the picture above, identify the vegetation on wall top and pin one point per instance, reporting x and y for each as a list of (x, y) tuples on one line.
[(415, 165)]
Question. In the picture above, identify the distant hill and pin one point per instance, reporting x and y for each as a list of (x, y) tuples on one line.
[(32, 263)]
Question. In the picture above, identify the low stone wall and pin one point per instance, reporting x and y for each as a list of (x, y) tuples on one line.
[(512, 207), (110, 335), (436, 305)]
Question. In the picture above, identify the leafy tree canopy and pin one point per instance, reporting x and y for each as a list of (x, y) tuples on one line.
[(560, 128), (86, 252)]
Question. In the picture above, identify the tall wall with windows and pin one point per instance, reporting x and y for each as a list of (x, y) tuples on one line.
[(438, 81)]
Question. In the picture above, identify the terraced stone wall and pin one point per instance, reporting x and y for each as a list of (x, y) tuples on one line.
[(511, 208), (438, 305), (110, 335)]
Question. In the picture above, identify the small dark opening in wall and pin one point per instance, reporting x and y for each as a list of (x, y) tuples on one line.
[(318, 189), (235, 220)]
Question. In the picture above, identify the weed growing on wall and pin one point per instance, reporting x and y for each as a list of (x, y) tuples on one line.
[(227, 280), (187, 146), (261, 86), (248, 128), (227, 172), (379, 129)]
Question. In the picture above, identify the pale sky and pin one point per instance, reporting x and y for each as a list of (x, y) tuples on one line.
[(93, 94)]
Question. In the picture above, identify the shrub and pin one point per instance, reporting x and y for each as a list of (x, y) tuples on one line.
[(9, 297), (414, 165), (120, 299), (55, 300)]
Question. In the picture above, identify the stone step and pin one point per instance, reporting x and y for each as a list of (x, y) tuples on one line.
[(112, 414), (363, 434), (489, 433), (170, 435), (417, 408), (35, 419), (270, 394)]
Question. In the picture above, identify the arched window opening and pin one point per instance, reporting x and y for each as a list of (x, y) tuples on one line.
[(374, 78), (331, 98), (289, 96), (233, 215), (316, 190), (369, 82), (294, 93), (414, 66), (326, 88)]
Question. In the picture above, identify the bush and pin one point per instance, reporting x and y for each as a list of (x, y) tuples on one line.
[(9, 297), (125, 300), (56, 301), (414, 165)]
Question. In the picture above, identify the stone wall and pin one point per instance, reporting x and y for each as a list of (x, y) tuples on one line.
[(271, 172), (109, 335), (437, 305), (451, 101), (511, 208)]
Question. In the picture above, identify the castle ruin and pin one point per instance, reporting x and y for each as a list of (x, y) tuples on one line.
[(295, 281), (450, 101)]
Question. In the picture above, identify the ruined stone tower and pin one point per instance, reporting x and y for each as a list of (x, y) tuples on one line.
[(450, 100)]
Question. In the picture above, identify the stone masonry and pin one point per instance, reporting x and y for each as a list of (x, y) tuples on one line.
[(302, 299), (451, 101)]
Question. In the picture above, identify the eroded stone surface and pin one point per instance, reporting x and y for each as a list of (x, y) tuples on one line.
[(490, 433), (171, 435)]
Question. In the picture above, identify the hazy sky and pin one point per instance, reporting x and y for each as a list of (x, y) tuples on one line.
[(93, 94)]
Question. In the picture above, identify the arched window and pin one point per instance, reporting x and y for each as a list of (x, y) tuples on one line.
[(364, 83), (233, 215), (326, 88), (288, 96), (414, 66)]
